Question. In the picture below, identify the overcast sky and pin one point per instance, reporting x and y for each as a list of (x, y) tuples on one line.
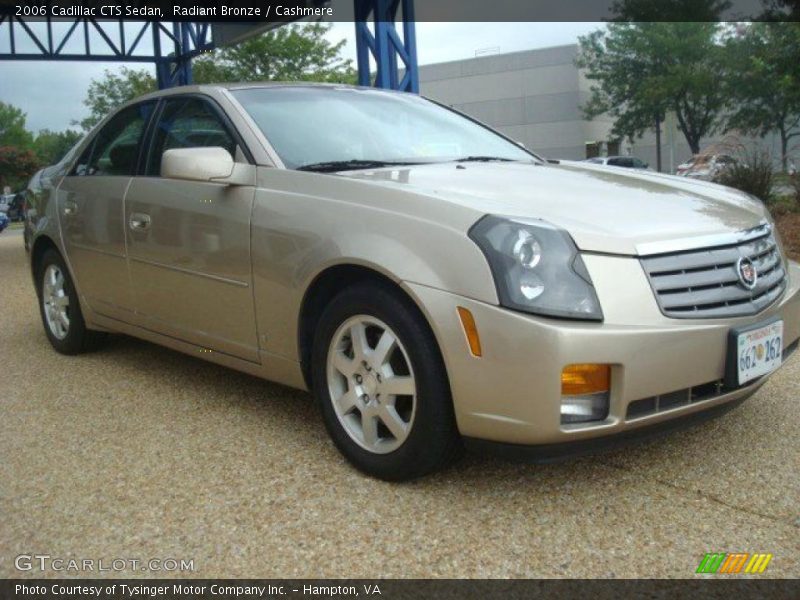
[(52, 93)]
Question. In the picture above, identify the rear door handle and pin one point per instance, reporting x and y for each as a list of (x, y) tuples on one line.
[(139, 222), (70, 208)]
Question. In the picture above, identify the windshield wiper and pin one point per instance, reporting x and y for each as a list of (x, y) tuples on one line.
[(346, 165), (482, 159)]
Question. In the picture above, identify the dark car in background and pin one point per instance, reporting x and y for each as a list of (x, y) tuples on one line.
[(16, 208), (628, 162), (13, 206), (5, 202)]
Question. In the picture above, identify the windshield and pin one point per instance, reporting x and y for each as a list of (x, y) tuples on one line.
[(308, 126)]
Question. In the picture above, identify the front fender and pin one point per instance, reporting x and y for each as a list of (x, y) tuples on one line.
[(296, 237)]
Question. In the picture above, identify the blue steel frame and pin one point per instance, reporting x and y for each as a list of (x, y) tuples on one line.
[(184, 41), (384, 45)]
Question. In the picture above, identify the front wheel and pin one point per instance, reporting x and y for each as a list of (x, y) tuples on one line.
[(381, 384)]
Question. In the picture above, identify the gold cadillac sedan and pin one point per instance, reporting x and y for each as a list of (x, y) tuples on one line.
[(431, 281)]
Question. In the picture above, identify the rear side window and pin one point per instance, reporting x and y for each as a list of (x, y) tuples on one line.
[(187, 123), (115, 149)]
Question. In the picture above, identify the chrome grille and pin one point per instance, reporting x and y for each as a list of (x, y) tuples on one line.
[(704, 283)]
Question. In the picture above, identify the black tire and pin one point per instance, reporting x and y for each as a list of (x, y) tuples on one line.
[(433, 440), (78, 339)]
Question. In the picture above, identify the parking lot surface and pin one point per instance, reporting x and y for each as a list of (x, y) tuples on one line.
[(138, 452)]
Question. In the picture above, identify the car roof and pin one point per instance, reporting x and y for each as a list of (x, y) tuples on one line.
[(206, 87)]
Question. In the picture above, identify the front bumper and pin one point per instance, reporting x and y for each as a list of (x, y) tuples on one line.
[(547, 453), (512, 394)]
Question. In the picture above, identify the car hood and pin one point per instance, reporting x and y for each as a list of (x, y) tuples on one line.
[(605, 209)]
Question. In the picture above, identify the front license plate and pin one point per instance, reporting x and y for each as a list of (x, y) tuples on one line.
[(758, 351)]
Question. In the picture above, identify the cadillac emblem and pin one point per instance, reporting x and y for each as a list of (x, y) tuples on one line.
[(746, 270)]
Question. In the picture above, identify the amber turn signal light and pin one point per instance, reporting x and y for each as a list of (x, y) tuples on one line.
[(470, 330), (582, 379)]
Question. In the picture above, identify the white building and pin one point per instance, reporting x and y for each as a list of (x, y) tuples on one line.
[(534, 97)]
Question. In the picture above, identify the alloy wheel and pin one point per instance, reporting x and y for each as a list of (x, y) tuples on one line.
[(371, 384), (55, 301)]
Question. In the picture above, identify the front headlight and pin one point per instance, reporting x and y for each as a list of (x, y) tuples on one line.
[(536, 268)]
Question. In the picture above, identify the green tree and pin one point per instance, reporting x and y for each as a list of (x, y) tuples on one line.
[(51, 146), (638, 11), (12, 127), (114, 89), (289, 53), (17, 165), (781, 10), (639, 71), (762, 80)]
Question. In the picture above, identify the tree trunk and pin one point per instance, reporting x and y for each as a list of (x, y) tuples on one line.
[(658, 143), (784, 151), (691, 139)]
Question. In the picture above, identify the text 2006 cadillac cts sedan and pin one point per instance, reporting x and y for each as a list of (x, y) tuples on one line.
[(430, 280)]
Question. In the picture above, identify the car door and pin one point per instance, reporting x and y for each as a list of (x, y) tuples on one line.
[(189, 241), (90, 210)]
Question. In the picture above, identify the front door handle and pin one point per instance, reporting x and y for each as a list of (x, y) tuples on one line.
[(139, 222), (70, 208)]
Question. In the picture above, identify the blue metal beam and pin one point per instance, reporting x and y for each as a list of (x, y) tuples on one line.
[(174, 45), (377, 40), (383, 45), (176, 68)]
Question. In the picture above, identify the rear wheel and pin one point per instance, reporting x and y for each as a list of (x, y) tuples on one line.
[(381, 384), (58, 305)]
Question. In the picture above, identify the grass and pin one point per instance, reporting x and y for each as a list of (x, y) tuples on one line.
[(783, 204), (781, 178)]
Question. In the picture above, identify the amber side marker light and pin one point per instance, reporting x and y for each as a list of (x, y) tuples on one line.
[(470, 331), (585, 393)]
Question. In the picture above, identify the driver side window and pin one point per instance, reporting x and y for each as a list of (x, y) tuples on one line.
[(187, 123)]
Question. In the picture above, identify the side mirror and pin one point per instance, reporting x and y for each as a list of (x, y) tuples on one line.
[(211, 164)]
